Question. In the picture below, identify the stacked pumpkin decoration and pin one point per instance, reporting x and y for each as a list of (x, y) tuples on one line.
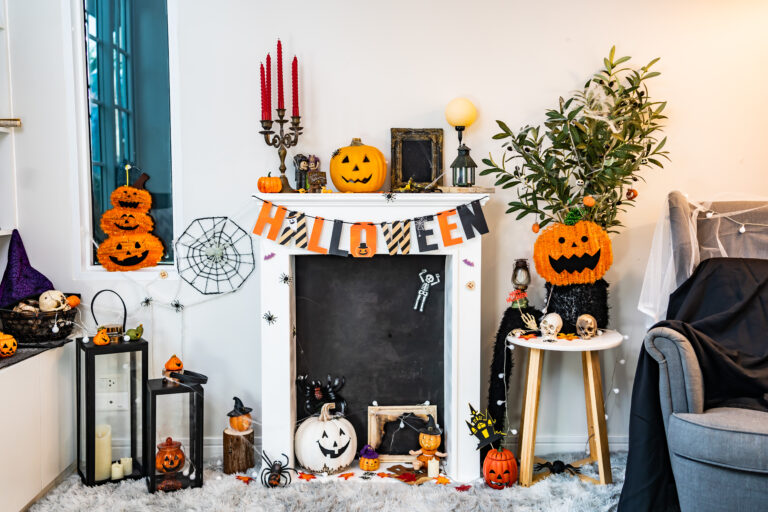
[(8, 345), (358, 168), (326, 443), (129, 244)]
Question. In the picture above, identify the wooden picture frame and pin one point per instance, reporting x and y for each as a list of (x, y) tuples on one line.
[(416, 153), (380, 415)]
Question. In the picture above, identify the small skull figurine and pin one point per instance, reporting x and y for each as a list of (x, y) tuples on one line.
[(550, 325), (586, 327), (53, 300)]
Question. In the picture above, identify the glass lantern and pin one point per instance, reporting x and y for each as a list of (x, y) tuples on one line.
[(110, 410), (175, 457), (463, 168)]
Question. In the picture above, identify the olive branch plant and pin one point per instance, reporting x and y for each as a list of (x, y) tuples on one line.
[(582, 164)]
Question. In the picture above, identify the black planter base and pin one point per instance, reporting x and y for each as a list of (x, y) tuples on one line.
[(578, 299)]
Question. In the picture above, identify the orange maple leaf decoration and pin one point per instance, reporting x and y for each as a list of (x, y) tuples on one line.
[(407, 477), (569, 336), (527, 336), (442, 480), (306, 476), (463, 488), (245, 479), (346, 476), (383, 475)]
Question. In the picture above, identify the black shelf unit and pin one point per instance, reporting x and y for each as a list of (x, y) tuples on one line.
[(194, 450), (85, 363)]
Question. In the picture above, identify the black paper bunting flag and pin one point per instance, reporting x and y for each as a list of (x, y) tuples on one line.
[(472, 220), (334, 249), (423, 232)]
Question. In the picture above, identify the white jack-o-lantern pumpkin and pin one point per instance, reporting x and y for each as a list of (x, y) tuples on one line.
[(326, 443), (53, 300)]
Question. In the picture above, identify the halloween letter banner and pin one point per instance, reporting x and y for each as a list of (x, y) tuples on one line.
[(450, 227)]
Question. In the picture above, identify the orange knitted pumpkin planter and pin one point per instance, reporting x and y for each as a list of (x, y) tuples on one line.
[(577, 254)]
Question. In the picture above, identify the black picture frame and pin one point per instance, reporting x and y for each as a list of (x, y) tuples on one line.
[(416, 153)]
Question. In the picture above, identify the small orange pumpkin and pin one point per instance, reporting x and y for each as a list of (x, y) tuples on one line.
[(130, 252), (358, 168), (500, 468), (588, 201), (8, 345), (101, 338), (73, 301), (136, 199), (169, 456), (241, 423), (577, 254), (369, 464), (124, 221), (268, 184), (174, 364)]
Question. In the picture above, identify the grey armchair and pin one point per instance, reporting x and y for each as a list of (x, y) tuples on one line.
[(719, 456)]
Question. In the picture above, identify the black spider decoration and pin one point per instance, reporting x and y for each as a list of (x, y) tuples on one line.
[(270, 318), (368, 475), (177, 306), (389, 196), (285, 278), (293, 331), (275, 474), (316, 394), (557, 467), (146, 302)]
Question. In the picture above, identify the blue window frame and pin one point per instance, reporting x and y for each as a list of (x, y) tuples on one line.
[(126, 47)]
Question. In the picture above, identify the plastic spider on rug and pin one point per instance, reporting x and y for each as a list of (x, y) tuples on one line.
[(558, 467), (275, 471)]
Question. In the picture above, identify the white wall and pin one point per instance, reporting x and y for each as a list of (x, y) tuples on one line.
[(366, 67)]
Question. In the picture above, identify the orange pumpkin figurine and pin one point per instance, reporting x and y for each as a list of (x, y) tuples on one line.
[(240, 416), (73, 301), (173, 364), (8, 345), (170, 456), (430, 438), (577, 254), (500, 468), (369, 459), (101, 338), (269, 184)]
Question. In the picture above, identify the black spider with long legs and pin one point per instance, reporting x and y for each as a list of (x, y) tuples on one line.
[(275, 471)]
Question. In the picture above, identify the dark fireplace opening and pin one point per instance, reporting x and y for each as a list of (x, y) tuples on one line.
[(355, 318)]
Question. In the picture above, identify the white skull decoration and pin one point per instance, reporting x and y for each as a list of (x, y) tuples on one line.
[(586, 327), (550, 325), (53, 300)]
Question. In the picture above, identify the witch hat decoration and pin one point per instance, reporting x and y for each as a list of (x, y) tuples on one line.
[(239, 409), (20, 280), (431, 429)]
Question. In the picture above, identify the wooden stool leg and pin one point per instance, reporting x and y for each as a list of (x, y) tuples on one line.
[(593, 390), (530, 411), (590, 423)]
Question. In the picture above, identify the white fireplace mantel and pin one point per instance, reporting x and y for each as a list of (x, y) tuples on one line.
[(462, 317)]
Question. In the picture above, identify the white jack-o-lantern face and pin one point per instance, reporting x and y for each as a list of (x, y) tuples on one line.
[(333, 442), (326, 443)]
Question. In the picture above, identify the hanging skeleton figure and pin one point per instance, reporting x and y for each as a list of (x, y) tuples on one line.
[(427, 282)]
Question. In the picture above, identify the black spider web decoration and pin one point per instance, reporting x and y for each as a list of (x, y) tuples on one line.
[(214, 255)]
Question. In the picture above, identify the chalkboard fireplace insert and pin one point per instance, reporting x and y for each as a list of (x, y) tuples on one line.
[(355, 318)]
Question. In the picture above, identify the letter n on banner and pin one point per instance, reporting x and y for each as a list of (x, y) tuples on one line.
[(274, 222), (397, 234), (473, 219), (295, 231)]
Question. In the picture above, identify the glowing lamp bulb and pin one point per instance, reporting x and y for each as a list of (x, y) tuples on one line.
[(460, 112)]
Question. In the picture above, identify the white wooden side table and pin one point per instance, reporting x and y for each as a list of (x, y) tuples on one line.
[(593, 394)]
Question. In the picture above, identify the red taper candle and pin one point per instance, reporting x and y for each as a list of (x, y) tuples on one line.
[(269, 87), (295, 84), (263, 95), (280, 100)]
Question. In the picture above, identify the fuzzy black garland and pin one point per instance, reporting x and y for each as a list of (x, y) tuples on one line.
[(497, 388), (578, 299)]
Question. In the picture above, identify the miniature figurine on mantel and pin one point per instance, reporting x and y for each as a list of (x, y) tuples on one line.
[(430, 438), (316, 179), (301, 166)]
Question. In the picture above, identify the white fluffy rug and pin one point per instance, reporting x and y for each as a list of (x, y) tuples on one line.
[(225, 493)]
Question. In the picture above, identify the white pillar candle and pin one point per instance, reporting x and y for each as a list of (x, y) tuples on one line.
[(102, 460), (117, 471), (433, 468), (127, 463)]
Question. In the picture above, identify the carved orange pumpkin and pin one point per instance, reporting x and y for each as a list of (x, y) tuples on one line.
[(369, 464), (130, 252), (577, 254), (358, 168), (124, 221), (268, 184), (174, 364), (8, 345), (500, 468), (429, 442), (169, 456), (101, 338), (137, 199)]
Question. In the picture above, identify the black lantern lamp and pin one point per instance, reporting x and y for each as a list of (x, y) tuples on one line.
[(110, 412), (481, 425), (461, 113), (173, 464), (521, 278)]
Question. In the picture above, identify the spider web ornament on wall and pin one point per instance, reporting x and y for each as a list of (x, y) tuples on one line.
[(214, 255)]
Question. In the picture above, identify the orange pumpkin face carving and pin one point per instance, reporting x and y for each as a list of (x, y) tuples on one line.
[(130, 252), (578, 254), (124, 221), (429, 442), (500, 468), (133, 198), (169, 456), (8, 345)]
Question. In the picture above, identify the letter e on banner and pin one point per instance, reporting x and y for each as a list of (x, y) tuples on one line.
[(446, 228)]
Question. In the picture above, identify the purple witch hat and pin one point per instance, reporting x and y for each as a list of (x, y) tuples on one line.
[(20, 280)]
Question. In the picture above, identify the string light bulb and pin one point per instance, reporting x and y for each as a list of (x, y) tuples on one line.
[(55, 328), (742, 229), (500, 402), (514, 431), (622, 361), (709, 215), (501, 375), (615, 391)]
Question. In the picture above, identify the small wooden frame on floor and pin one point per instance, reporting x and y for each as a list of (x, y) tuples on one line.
[(380, 415)]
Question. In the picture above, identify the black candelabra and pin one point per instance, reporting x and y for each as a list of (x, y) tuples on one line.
[(282, 141)]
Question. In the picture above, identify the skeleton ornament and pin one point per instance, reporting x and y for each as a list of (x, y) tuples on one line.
[(550, 325), (586, 327)]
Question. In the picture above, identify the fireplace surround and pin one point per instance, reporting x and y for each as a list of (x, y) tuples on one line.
[(462, 302)]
